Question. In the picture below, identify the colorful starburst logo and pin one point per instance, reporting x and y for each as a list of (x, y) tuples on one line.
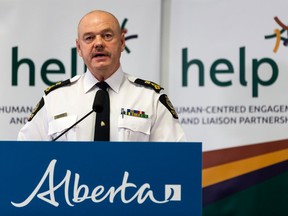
[(129, 37), (278, 34)]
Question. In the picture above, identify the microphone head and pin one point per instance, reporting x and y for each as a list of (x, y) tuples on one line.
[(98, 104)]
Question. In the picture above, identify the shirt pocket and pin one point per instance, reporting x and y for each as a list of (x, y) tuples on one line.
[(58, 126), (132, 128)]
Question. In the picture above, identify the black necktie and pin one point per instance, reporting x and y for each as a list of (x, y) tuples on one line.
[(102, 124)]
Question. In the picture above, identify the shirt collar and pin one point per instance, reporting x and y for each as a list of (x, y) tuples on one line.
[(114, 81)]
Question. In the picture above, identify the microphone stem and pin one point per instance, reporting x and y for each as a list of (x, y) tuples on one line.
[(72, 125)]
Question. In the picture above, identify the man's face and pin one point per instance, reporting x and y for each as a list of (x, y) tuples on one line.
[(100, 43)]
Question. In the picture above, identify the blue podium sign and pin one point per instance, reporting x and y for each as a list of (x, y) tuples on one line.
[(103, 178)]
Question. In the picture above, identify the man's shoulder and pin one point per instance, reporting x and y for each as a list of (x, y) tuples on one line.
[(61, 84), (137, 82), (163, 98)]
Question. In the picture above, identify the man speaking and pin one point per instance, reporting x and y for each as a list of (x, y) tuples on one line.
[(128, 108)]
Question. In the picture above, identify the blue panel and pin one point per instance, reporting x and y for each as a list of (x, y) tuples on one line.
[(104, 178)]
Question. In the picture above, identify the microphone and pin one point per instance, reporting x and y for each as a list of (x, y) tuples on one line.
[(99, 101), (97, 107)]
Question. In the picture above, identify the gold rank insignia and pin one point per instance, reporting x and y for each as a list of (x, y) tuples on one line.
[(56, 85), (149, 84), (167, 103)]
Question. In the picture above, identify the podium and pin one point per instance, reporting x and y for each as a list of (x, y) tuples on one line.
[(100, 178)]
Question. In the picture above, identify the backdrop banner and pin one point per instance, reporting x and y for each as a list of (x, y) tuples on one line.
[(228, 77), (38, 49)]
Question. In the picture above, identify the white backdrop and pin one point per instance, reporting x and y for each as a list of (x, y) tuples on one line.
[(207, 30), (234, 31), (41, 31)]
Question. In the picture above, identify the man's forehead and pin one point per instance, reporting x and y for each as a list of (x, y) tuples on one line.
[(96, 29), (98, 23), (99, 17)]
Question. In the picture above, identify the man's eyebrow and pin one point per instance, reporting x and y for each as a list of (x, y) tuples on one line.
[(106, 30), (87, 33), (101, 32)]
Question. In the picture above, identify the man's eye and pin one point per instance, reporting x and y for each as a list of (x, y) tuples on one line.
[(107, 36), (88, 38)]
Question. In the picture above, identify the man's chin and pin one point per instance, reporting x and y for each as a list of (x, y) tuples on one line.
[(99, 64), (100, 68)]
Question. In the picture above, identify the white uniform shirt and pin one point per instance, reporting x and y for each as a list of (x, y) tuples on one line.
[(63, 106)]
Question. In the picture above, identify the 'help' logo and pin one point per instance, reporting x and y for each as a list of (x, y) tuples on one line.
[(173, 192)]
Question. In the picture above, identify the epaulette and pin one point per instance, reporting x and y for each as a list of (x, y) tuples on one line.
[(57, 85), (167, 103), (36, 109), (149, 84)]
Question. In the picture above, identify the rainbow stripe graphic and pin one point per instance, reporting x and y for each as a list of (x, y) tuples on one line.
[(247, 180)]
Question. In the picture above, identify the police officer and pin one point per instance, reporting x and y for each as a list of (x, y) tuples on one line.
[(138, 110)]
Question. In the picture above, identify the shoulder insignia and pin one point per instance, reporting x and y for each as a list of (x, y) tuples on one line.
[(57, 85), (36, 109), (167, 103), (149, 84)]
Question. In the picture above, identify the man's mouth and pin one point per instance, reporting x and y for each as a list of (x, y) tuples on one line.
[(99, 55)]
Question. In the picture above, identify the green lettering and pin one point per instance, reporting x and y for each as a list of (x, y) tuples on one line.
[(186, 65), (214, 71), (242, 65), (45, 70), (15, 67), (256, 80)]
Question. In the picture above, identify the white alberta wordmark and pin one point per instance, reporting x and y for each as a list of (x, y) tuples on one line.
[(98, 194)]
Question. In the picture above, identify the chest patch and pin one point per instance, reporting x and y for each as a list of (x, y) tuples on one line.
[(167, 103), (36, 109)]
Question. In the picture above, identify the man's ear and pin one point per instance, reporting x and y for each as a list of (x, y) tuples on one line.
[(78, 48), (122, 41)]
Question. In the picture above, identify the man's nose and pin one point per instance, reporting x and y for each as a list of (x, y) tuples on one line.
[(98, 43)]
